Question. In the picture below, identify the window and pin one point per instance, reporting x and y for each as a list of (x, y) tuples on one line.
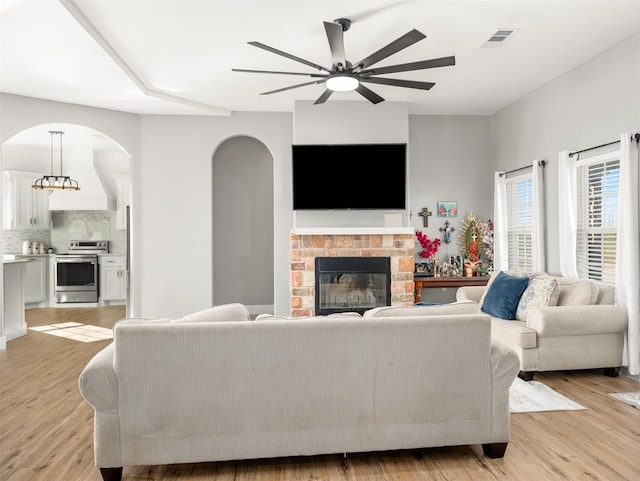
[(519, 196), (598, 181)]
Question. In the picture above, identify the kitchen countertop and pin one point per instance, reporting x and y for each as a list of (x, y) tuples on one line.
[(15, 261)]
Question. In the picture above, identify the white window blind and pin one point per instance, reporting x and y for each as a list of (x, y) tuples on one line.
[(520, 222), (598, 181)]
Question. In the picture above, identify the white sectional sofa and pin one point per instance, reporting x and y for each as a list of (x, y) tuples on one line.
[(578, 328), (218, 386)]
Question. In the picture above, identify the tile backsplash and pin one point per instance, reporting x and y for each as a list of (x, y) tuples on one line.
[(70, 225), (13, 239)]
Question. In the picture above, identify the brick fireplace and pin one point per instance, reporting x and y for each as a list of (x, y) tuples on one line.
[(305, 248)]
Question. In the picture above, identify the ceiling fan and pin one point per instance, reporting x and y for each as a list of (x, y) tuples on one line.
[(344, 75)]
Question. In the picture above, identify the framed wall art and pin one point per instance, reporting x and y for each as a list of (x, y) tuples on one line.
[(447, 208)]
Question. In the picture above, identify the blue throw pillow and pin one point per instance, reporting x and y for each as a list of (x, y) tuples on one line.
[(503, 296)]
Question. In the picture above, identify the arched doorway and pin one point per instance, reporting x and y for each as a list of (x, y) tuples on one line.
[(105, 167), (243, 263)]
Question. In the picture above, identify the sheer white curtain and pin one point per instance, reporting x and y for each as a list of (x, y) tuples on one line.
[(627, 252), (567, 214), (539, 260), (500, 241)]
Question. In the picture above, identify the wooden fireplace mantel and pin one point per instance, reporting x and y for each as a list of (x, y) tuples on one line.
[(421, 282)]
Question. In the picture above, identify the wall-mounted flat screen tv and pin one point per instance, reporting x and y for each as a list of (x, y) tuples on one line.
[(349, 176)]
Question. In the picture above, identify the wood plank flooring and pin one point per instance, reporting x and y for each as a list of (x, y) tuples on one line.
[(46, 429)]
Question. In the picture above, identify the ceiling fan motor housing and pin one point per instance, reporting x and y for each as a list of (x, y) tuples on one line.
[(345, 22)]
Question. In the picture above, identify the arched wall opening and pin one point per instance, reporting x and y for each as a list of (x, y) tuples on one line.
[(29, 150), (243, 224)]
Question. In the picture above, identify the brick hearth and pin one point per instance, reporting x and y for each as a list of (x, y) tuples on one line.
[(305, 248)]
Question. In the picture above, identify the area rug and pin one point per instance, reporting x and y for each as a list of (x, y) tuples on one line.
[(534, 396), (631, 398)]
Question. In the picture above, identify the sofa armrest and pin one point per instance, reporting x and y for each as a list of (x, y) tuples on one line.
[(505, 364), (577, 320), (98, 382), (470, 293)]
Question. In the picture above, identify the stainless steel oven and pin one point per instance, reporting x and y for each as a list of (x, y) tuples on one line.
[(76, 272)]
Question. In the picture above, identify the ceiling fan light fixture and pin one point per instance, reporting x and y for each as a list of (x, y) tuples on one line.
[(342, 83)]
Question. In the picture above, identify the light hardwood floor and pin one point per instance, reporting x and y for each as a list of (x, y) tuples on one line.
[(46, 428)]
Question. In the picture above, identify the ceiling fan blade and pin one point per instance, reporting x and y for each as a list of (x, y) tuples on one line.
[(293, 87), (324, 97), (412, 84), (335, 35), (289, 56), (278, 72), (405, 41), (370, 95), (406, 67)]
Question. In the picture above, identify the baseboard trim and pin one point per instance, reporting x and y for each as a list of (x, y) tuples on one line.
[(625, 372)]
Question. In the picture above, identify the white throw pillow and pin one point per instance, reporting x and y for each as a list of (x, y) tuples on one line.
[(541, 292), (221, 313), (345, 314), (273, 317), (454, 308)]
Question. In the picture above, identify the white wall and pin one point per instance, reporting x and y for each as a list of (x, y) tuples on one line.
[(176, 209), (449, 161), (591, 105), (350, 122)]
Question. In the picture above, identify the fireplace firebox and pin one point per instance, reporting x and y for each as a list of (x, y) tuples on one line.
[(351, 284)]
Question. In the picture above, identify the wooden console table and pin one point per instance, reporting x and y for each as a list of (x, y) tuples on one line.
[(422, 282)]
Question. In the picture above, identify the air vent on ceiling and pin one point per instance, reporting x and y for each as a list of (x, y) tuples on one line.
[(498, 38)]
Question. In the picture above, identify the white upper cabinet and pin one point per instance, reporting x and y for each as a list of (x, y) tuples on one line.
[(24, 207)]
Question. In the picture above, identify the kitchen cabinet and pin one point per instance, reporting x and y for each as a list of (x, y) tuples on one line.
[(123, 199), (25, 207), (15, 325), (36, 278), (113, 277)]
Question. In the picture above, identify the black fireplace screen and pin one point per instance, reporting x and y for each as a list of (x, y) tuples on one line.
[(352, 284)]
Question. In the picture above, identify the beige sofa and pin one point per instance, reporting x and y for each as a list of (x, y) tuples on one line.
[(581, 328), (217, 386)]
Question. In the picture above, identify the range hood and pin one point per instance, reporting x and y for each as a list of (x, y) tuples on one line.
[(94, 193)]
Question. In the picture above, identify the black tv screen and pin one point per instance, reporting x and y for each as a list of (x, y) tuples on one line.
[(349, 176)]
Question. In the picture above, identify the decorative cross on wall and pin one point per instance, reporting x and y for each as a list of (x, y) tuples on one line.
[(447, 230), (425, 214)]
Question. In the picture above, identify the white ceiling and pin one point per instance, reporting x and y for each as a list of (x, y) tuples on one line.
[(175, 57)]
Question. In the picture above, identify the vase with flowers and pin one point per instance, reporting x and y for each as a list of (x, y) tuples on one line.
[(429, 250)]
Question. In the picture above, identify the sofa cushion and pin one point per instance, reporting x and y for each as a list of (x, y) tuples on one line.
[(221, 313), (345, 314), (273, 317), (463, 307), (503, 295), (577, 292), (515, 333), (541, 292)]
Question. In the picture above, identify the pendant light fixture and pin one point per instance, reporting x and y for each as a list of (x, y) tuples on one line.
[(56, 182)]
